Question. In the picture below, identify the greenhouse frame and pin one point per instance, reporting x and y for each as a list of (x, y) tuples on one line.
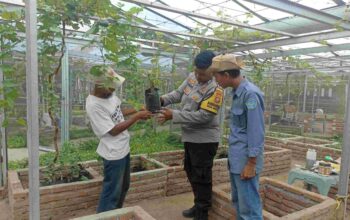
[(296, 51)]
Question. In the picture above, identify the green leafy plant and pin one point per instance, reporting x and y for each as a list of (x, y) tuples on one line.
[(72, 154), (12, 71), (17, 141), (80, 133), (56, 17), (65, 169)]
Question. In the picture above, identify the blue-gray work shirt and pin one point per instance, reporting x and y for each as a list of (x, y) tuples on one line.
[(247, 127)]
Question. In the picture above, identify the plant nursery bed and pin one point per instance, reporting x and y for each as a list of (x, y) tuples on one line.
[(3, 192), (313, 141), (296, 130), (276, 161), (300, 145), (332, 193), (280, 201), (148, 178), (279, 135), (61, 201), (128, 213), (177, 182)]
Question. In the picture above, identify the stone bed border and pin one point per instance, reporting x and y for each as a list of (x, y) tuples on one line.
[(63, 201), (276, 161), (3, 192), (135, 213), (299, 148), (57, 201), (149, 184), (222, 207), (177, 182)]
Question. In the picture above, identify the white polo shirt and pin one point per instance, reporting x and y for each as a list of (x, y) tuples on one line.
[(104, 114)]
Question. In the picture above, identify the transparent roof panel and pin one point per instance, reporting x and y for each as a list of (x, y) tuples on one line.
[(225, 8), (232, 10), (339, 41), (343, 52), (304, 57), (258, 51), (328, 54), (268, 13), (298, 46), (160, 21), (208, 7), (253, 20), (317, 4), (13, 1)]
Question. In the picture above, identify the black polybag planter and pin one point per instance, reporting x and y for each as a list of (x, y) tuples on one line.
[(152, 99)]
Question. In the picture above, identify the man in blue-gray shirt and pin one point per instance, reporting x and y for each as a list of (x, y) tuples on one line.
[(246, 140)]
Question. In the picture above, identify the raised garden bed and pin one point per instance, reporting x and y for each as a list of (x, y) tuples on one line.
[(276, 161), (333, 191), (61, 201), (3, 193), (300, 145), (313, 141), (129, 213), (296, 130), (177, 181), (279, 135), (280, 201), (67, 200), (148, 178), (220, 169)]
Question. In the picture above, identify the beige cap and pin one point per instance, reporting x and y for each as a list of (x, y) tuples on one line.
[(106, 76), (226, 62)]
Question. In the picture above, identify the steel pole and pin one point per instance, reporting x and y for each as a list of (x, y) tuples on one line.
[(32, 108), (3, 145), (305, 93), (65, 98), (345, 162)]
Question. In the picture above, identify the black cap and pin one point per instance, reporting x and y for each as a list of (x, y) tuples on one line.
[(204, 59)]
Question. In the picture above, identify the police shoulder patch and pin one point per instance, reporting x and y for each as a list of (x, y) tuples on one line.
[(214, 102), (251, 103)]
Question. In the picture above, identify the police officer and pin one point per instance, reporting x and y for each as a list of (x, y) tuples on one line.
[(246, 140), (201, 99)]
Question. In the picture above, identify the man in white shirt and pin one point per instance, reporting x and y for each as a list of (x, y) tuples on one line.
[(107, 121)]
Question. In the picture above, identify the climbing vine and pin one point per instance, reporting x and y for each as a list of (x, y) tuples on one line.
[(12, 71), (58, 20)]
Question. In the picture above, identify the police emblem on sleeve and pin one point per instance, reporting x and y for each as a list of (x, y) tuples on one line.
[(187, 90), (214, 102), (251, 103), (191, 82)]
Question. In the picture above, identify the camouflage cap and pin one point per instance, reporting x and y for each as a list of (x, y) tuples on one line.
[(226, 62), (105, 76)]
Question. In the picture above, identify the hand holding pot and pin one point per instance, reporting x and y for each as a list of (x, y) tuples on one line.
[(143, 108), (165, 114), (143, 114)]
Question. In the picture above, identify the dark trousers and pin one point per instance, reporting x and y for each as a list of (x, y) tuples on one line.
[(115, 184), (198, 166)]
